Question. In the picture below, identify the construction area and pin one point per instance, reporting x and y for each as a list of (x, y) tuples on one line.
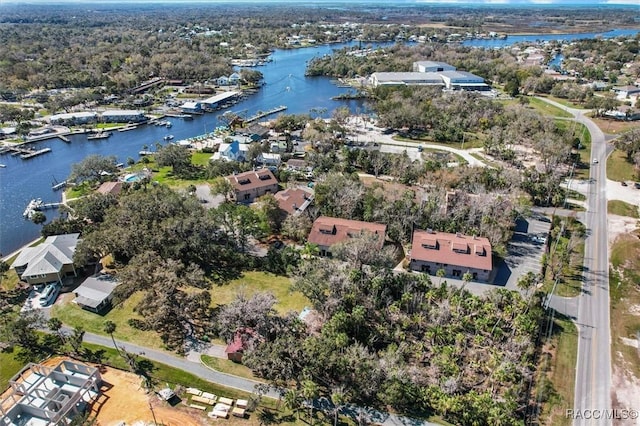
[(60, 389)]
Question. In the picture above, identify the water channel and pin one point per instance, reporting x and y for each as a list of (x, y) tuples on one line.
[(23, 180)]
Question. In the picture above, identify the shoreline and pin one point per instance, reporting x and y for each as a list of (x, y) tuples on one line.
[(17, 251)]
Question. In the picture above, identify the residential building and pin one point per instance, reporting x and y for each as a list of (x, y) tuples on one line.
[(113, 188), (268, 159), (234, 151), (47, 262), (293, 201), (96, 293), (43, 395), (298, 165), (455, 254), (74, 118), (123, 116), (328, 231), (250, 185)]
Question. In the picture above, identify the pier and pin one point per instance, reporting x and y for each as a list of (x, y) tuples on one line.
[(262, 114), (37, 205), (31, 154), (24, 153), (64, 138)]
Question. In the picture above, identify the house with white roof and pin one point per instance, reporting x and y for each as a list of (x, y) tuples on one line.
[(233, 151), (47, 262), (96, 293), (74, 118)]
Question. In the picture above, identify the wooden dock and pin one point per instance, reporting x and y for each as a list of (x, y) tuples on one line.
[(64, 138), (31, 154), (262, 114)]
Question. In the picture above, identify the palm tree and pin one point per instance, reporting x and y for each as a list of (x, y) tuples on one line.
[(292, 401), (110, 328), (309, 393), (338, 399), (440, 273)]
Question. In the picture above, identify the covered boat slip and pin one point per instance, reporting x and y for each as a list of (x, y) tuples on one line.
[(42, 395)]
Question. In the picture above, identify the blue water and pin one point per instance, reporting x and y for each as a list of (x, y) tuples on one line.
[(513, 39), (23, 180)]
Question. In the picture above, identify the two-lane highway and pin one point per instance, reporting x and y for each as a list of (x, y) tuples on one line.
[(592, 404)]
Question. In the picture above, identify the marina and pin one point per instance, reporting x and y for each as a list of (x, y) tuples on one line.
[(262, 114)]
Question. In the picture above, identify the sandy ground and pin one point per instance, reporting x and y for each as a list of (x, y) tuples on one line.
[(125, 402), (629, 194), (618, 225)]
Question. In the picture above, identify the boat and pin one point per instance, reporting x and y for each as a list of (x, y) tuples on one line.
[(168, 124), (168, 137), (99, 135), (33, 206), (2, 166)]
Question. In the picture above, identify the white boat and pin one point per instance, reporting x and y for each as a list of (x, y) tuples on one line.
[(168, 137), (168, 124), (2, 166), (99, 135), (33, 206)]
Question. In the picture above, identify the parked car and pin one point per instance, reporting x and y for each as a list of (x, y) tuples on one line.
[(49, 294), (623, 183), (637, 185)]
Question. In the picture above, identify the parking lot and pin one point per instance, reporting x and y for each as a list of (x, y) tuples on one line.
[(530, 241)]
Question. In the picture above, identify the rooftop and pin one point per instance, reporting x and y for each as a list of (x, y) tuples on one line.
[(252, 179), (452, 249), (327, 231)]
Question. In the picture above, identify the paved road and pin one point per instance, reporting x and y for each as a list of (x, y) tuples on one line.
[(593, 368), (374, 135), (196, 368)]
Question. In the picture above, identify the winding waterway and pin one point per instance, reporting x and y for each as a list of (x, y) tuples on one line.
[(286, 84)]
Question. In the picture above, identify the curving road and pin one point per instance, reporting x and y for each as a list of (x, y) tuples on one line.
[(593, 367)]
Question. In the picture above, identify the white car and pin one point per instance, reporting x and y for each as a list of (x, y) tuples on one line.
[(595, 161), (49, 294)]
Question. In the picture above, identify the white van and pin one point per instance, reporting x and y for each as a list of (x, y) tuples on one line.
[(49, 294)]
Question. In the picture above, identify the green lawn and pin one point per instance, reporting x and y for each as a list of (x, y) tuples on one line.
[(622, 209), (227, 366), (256, 281), (71, 314), (561, 369), (619, 169), (545, 108), (8, 368), (570, 282), (471, 141)]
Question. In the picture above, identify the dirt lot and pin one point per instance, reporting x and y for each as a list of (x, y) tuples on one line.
[(615, 127)]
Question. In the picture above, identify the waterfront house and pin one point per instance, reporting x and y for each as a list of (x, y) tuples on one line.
[(113, 188), (328, 231), (96, 293), (47, 262), (233, 151), (455, 254), (234, 79), (123, 116), (250, 185), (222, 80)]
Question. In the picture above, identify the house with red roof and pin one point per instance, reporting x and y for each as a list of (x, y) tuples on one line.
[(456, 254), (328, 231), (250, 185)]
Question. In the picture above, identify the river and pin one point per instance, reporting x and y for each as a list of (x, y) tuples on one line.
[(286, 84), (23, 180)]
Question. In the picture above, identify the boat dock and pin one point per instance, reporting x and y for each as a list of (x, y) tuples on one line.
[(262, 114), (64, 138), (31, 154), (24, 153), (127, 128), (59, 185), (37, 205)]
